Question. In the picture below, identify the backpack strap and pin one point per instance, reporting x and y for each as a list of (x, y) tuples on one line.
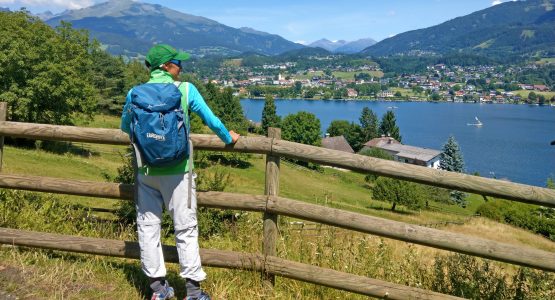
[(190, 162), (190, 183)]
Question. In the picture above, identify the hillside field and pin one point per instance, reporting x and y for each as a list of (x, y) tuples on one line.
[(32, 274)]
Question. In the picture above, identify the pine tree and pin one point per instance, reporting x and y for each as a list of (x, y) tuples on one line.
[(452, 160), (369, 123), (228, 108), (451, 157), (388, 126), (269, 116)]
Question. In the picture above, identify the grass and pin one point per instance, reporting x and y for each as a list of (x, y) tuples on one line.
[(351, 75), (524, 94), (485, 44), (546, 60), (338, 74), (43, 274), (527, 34)]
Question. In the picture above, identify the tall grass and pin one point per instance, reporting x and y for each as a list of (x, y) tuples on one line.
[(46, 274)]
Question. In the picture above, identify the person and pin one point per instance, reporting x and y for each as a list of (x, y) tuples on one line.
[(169, 186)]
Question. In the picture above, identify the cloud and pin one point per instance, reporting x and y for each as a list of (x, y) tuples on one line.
[(302, 42), (495, 2), (64, 4)]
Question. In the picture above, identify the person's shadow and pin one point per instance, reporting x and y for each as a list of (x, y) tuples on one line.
[(137, 278), (140, 281)]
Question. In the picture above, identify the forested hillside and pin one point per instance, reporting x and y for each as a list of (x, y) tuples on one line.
[(515, 28)]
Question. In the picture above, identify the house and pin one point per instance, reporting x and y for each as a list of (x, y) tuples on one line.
[(352, 93), (385, 94), (541, 88), (404, 153), (337, 143)]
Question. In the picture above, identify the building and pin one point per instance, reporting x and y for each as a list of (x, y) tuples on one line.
[(404, 153), (337, 143), (385, 94), (352, 93)]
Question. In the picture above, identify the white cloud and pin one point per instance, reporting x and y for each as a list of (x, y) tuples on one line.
[(65, 4), (495, 2)]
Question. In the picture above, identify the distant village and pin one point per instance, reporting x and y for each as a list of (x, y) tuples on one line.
[(440, 82)]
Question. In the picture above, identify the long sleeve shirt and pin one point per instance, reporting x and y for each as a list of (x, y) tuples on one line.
[(192, 100)]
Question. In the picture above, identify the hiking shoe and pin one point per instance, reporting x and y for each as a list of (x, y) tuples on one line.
[(203, 296), (167, 293)]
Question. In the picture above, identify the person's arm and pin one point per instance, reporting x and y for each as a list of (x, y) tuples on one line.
[(198, 105), (126, 115)]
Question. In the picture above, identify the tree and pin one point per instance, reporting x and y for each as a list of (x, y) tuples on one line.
[(302, 127), (351, 131), (388, 126), (355, 137), (230, 111), (532, 97), (269, 116), (369, 124), (298, 87), (398, 192), (452, 160), (338, 127), (436, 97), (45, 73)]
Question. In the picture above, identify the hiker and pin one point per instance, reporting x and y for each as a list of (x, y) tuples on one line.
[(171, 184)]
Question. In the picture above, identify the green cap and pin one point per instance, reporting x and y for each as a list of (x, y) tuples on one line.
[(162, 53)]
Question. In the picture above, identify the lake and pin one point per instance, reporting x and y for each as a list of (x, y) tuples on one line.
[(513, 143)]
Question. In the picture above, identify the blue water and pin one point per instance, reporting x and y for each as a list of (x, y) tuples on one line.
[(513, 143)]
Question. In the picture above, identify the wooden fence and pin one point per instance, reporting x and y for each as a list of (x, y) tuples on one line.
[(271, 205)]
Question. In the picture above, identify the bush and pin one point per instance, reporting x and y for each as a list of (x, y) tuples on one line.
[(536, 219)]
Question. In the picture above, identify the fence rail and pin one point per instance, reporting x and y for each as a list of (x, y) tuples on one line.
[(224, 259), (360, 163), (272, 206), (278, 205)]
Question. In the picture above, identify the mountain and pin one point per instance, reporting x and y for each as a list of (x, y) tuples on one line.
[(305, 52), (327, 44), (131, 28), (356, 46), (507, 29), (343, 46)]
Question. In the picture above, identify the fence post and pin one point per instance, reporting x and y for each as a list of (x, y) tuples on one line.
[(271, 189), (3, 113)]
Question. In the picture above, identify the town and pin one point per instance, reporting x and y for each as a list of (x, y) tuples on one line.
[(322, 77)]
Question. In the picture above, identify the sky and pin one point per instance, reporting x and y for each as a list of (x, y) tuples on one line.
[(304, 21)]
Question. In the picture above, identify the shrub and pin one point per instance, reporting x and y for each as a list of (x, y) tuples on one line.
[(536, 219)]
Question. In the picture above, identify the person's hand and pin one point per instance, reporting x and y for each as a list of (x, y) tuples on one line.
[(234, 136)]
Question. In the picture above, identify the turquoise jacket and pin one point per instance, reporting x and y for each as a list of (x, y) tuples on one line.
[(192, 101)]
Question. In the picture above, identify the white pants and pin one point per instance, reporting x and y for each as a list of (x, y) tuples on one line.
[(172, 190)]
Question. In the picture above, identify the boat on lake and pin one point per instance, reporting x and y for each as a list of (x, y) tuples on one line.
[(478, 123)]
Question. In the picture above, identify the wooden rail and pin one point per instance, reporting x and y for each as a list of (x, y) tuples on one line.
[(224, 259), (456, 242), (355, 162)]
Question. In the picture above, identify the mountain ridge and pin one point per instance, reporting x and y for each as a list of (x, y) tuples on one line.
[(343, 46), (130, 28), (509, 28)]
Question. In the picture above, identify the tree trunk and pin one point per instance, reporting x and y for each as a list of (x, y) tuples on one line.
[(393, 206)]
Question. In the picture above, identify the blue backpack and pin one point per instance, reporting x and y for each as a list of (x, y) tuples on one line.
[(158, 126)]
